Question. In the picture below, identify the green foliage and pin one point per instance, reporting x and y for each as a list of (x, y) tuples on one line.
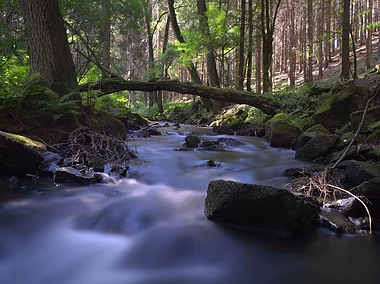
[(29, 100), (295, 100), (113, 103)]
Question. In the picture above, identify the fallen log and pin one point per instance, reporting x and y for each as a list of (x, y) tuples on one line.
[(262, 102)]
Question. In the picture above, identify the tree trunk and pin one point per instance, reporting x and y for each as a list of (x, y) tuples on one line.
[(321, 32), (106, 33), (250, 45), (310, 39), (48, 46), (241, 62), (292, 54), (212, 72), (369, 34), (346, 41), (266, 104), (258, 62)]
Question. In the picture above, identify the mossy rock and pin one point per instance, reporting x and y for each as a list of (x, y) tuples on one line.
[(309, 134), (372, 116), (357, 172), (317, 147), (104, 122), (281, 131), (19, 155), (335, 107)]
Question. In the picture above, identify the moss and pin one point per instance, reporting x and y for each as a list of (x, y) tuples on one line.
[(325, 103), (24, 140)]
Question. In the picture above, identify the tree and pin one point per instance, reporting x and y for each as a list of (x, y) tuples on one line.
[(267, 30), (346, 41), (48, 46), (240, 63)]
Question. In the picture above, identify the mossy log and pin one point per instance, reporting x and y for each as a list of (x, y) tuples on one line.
[(261, 102)]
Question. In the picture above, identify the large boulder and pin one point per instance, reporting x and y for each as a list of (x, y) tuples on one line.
[(335, 107), (357, 172), (280, 131), (103, 122), (309, 134), (132, 121), (260, 207), (192, 141), (372, 116), (19, 155), (318, 146)]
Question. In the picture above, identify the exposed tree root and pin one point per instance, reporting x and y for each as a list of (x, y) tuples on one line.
[(83, 143)]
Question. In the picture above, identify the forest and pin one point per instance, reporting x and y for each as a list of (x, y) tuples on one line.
[(208, 141), (123, 122)]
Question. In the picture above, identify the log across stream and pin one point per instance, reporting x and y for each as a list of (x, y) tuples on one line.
[(150, 228)]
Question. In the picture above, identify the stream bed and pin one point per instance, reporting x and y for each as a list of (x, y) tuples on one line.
[(150, 228)]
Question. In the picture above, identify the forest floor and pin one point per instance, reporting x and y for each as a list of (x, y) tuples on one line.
[(331, 75)]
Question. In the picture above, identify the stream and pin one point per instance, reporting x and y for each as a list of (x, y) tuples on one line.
[(150, 228)]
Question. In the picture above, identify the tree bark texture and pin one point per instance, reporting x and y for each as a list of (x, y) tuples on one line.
[(262, 102), (241, 62), (48, 46), (346, 41)]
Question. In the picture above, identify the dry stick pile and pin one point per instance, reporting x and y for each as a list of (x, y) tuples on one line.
[(83, 143)]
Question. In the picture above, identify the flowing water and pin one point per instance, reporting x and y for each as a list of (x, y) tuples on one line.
[(150, 228)]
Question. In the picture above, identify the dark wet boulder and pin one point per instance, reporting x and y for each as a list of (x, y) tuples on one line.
[(192, 141), (335, 107), (309, 134), (213, 148), (357, 172), (370, 189), (103, 122), (20, 155), (336, 221), (372, 116), (281, 131), (229, 142), (166, 125), (176, 125), (208, 143), (348, 206), (317, 147), (154, 132), (132, 121), (260, 207), (69, 175), (223, 129)]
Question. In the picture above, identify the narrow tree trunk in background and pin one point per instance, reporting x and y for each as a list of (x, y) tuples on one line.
[(163, 69), (304, 45), (355, 73), (369, 34), (345, 41), (241, 62), (327, 35), (48, 47), (106, 34), (258, 62), (250, 45), (310, 39), (292, 54), (321, 21)]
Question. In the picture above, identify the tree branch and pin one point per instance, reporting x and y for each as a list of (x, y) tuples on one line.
[(261, 102)]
